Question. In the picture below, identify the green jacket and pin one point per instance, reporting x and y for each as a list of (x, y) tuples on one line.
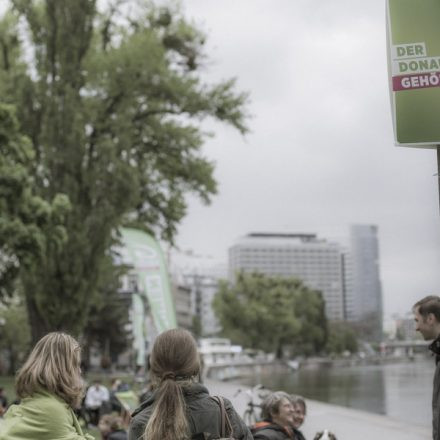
[(41, 417)]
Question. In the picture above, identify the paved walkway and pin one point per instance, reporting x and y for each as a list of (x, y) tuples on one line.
[(347, 424)]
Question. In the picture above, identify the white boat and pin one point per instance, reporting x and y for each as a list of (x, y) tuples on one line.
[(215, 351), (223, 361)]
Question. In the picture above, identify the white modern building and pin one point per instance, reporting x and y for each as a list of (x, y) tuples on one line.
[(317, 262)]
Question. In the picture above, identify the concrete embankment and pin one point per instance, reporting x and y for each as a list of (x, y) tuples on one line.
[(231, 371), (347, 424)]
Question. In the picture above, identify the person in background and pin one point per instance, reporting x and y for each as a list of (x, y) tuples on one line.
[(299, 414), (3, 402), (49, 385), (427, 319), (277, 424), (111, 427), (97, 395), (180, 407), (115, 387)]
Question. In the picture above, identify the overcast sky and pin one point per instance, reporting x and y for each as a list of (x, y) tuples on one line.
[(321, 154)]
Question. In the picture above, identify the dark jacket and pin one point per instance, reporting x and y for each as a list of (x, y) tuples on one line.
[(267, 430), (435, 348), (203, 414), (298, 434)]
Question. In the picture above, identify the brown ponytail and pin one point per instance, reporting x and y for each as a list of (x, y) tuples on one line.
[(174, 363)]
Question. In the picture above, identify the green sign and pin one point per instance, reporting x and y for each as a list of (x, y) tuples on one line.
[(128, 400), (143, 253), (413, 33)]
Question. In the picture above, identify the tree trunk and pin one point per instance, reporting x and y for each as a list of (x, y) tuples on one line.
[(12, 360), (85, 358), (279, 351), (37, 324)]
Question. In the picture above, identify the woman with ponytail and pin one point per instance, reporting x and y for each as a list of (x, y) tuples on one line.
[(180, 408)]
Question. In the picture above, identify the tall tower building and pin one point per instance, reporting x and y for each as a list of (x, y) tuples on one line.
[(318, 263), (366, 285)]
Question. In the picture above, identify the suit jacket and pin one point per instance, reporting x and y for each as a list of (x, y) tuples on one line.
[(435, 348)]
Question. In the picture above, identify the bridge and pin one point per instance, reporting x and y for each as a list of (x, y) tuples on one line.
[(408, 347)]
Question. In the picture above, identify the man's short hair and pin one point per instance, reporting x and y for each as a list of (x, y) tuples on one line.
[(271, 404), (427, 305)]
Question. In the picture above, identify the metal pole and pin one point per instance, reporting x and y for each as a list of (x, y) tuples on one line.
[(438, 172)]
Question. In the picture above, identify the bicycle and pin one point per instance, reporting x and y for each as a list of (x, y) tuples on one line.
[(252, 412)]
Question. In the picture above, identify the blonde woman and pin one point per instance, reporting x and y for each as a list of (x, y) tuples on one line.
[(180, 408), (49, 385)]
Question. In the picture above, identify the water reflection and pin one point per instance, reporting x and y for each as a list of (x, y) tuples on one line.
[(409, 390), (402, 391)]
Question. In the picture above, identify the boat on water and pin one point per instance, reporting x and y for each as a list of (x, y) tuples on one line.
[(215, 351), (223, 360)]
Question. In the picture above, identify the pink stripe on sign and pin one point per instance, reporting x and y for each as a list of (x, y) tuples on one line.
[(416, 81)]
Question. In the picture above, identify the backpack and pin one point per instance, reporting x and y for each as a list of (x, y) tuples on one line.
[(225, 425)]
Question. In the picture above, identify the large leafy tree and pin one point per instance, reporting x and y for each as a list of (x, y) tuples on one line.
[(106, 328), (29, 225), (14, 332), (271, 313), (341, 338), (112, 102), (309, 306)]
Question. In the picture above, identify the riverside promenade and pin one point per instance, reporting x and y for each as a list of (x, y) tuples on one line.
[(345, 423)]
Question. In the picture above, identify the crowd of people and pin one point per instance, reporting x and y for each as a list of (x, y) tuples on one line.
[(176, 406)]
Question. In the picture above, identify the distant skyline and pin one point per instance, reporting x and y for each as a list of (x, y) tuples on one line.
[(321, 154)]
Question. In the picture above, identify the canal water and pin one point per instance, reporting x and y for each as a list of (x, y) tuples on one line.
[(399, 390)]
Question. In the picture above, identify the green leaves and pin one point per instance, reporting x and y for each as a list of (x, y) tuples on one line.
[(15, 332), (28, 223), (111, 106), (341, 338), (271, 313)]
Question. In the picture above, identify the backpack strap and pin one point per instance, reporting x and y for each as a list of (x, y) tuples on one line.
[(225, 422)]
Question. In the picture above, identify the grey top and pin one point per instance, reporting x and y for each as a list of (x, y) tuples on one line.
[(203, 414)]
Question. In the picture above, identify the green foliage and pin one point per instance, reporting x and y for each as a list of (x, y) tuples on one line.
[(112, 105), (29, 225), (341, 338), (271, 313), (106, 327), (14, 332), (8, 385), (310, 309)]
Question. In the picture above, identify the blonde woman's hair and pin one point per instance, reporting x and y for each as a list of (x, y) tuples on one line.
[(54, 366), (174, 364)]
